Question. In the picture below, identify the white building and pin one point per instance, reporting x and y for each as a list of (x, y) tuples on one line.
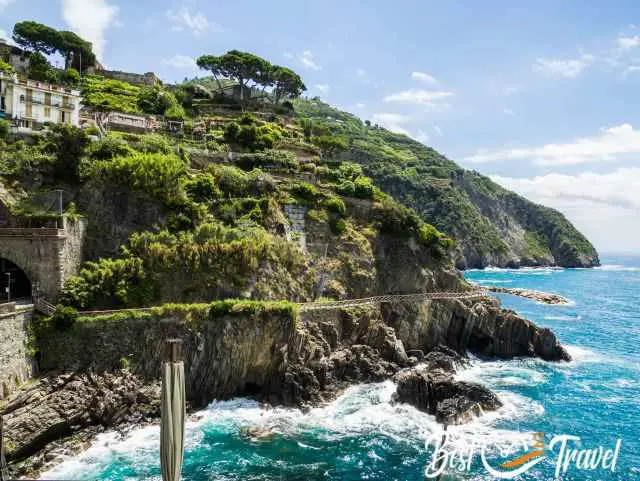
[(30, 103)]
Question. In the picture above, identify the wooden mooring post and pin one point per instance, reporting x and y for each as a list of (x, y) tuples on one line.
[(4, 471)]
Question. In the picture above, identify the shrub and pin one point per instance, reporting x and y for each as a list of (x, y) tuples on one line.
[(4, 129), (64, 318), (68, 144), (109, 148), (70, 77), (153, 143), (331, 145), (175, 112), (202, 188), (349, 171), (363, 188), (338, 226), (428, 235), (157, 174), (305, 191), (276, 158), (337, 206), (5, 67)]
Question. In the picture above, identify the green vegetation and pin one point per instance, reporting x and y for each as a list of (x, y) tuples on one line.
[(253, 135), (249, 70), (212, 259), (110, 95), (43, 39), (465, 205), (5, 67), (64, 318), (155, 173)]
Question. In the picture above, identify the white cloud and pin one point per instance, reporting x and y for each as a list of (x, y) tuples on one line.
[(420, 97), (421, 137), (611, 144), (632, 69), (423, 77), (361, 72), (90, 19), (4, 4), (4, 35), (508, 111), (510, 90), (603, 206), (360, 105), (628, 43), (307, 59), (181, 62), (197, 23), (324, 88), (392, 121), (569, 68)]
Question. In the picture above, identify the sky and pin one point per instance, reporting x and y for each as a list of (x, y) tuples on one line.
[(543, 98)]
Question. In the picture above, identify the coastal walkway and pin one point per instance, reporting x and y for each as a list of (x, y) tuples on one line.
[(318, 305), (48, 309)]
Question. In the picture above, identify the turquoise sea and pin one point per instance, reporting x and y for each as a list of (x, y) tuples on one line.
[(361, 435)]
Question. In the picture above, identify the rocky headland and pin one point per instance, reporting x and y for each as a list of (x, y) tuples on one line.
[(538, 296)]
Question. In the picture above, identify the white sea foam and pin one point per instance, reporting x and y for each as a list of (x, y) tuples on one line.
[(496, 374), (582, 354), (563, 318), (617, 267), (495, 281), (361, 409)]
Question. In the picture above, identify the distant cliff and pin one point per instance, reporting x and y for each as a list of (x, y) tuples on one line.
[(491, 225)]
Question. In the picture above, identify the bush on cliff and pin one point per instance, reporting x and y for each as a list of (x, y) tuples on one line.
[(195, 266), (157, 174), (64, 318)]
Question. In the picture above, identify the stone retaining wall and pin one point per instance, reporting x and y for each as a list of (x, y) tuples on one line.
[(16, 365)]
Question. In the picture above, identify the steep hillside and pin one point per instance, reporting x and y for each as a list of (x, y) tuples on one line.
[(491, 225)]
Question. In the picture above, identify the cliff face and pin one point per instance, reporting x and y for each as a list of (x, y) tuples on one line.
[(491, 225), (111, 365)]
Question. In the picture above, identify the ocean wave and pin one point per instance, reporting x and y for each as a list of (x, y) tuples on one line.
[(497, 374), (582, 354), (617, 267), (494, 281), (362, 409), (563, 318), (521, 270)]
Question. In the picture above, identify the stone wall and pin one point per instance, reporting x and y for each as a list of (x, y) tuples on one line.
[(16, 366), (47, 256), (148, 79)]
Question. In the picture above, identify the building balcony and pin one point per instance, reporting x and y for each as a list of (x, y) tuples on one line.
[(59, 105)]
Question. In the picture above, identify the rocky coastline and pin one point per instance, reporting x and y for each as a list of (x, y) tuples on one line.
[(301, 365), (534, 295)]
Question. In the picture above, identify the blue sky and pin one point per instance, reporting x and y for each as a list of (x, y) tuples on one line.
[(543, 98)]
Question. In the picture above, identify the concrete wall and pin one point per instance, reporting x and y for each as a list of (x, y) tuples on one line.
[(16, 366)]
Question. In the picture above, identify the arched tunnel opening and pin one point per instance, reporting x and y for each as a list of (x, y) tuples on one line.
[(14, 282)]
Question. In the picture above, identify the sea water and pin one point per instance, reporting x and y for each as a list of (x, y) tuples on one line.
[(362, 435)]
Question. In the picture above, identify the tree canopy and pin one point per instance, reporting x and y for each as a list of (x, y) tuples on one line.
[(41, 38), (250, 70)]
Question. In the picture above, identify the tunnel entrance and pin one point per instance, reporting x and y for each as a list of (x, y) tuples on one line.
[(14, 282)]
